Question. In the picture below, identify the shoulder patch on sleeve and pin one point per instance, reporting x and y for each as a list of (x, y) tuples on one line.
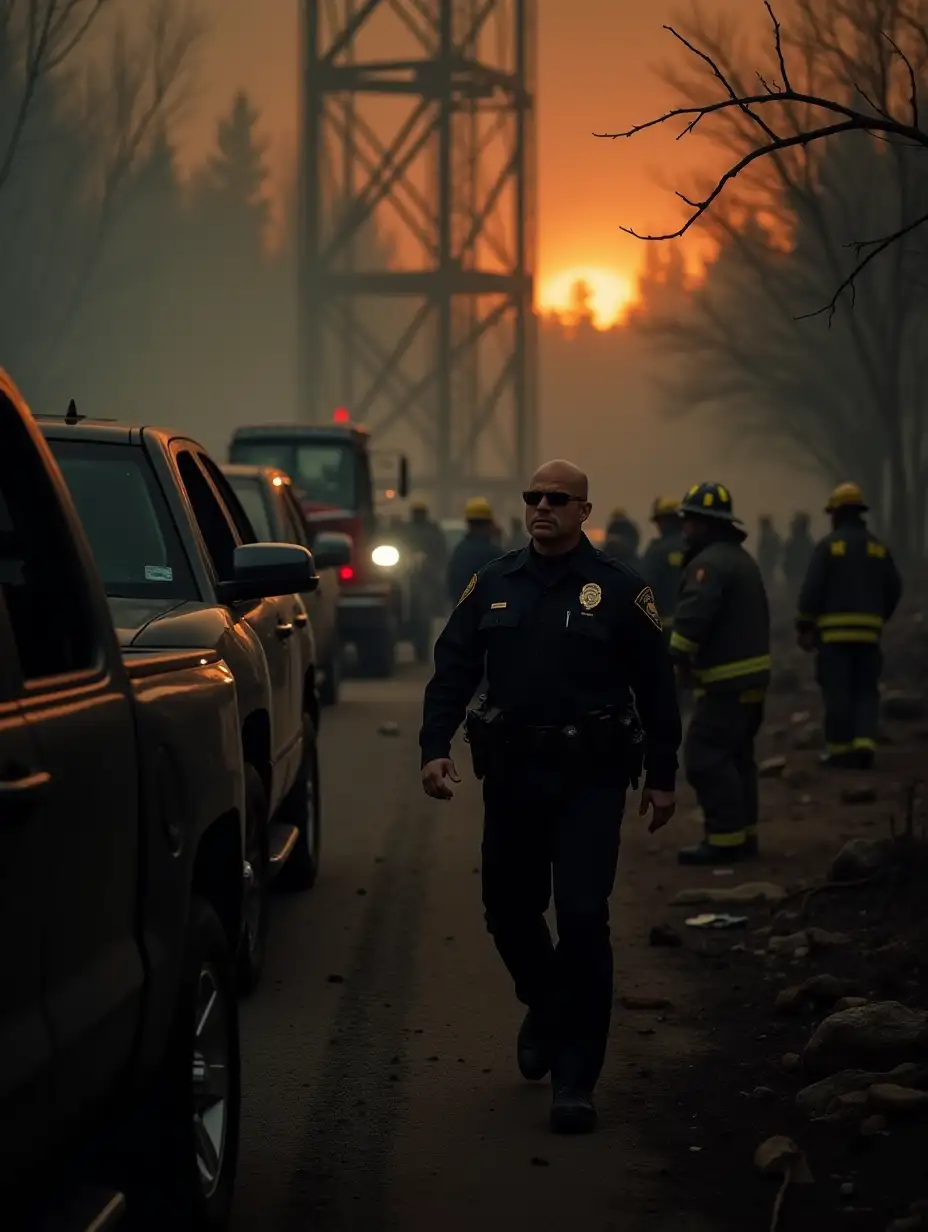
[(468, 589), (838, 547), (875, 548), (645, 600)]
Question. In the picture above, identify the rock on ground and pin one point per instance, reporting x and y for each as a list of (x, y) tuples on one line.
[(859, 858), (749, 892), (880, 1034)]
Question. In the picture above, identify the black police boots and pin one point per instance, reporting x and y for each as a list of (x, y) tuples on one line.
[(532, 1050), (572, 1111)]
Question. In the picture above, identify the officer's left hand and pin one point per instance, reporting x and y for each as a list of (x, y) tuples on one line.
[(662, 805)]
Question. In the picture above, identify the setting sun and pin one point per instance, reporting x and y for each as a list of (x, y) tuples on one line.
[(610, 293)]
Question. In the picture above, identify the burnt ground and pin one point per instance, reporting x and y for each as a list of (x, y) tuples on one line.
[(740, 1091)]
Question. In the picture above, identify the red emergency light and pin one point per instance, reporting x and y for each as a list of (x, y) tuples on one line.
[(341, 415), (346, 573)]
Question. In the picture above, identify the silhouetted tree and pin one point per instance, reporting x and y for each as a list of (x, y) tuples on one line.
[(848, 387), (232, 188), (790, 107)]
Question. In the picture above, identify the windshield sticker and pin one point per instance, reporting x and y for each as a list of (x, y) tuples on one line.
[(159, 573)]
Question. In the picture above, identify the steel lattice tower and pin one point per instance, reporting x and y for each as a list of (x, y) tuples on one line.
[(418, 133)]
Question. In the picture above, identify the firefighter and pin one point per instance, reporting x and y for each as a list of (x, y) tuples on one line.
[(797, 553), (478, 547), (721, 645), (662, 559), (622, 538), (851, 588), (769, 549)]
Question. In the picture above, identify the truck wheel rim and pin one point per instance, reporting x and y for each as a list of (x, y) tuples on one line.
[(210, 1079)]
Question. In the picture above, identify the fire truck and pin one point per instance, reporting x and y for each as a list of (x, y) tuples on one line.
[(332, 467)]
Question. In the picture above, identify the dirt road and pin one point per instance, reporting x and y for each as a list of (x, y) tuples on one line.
[(381, 1088)]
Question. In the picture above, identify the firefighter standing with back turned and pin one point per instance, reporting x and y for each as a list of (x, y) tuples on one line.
[(574, 657), (851, 589), (721, 644)]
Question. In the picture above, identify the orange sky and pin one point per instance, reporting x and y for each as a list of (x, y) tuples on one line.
[(596, 71)]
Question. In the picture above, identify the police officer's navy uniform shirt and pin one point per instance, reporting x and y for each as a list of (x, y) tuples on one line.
[(558, 638)]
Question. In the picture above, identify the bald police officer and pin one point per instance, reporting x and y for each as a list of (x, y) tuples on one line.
[(574, 656), (721, 643), (851, 589)]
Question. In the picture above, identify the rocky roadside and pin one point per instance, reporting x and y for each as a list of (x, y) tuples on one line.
[(812, 979)]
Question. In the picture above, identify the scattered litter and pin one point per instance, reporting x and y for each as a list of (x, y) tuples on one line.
[(717, 921), (389, 728), (723, 872)]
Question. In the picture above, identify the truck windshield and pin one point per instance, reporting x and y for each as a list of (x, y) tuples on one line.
[(323, 472), (127, 521)]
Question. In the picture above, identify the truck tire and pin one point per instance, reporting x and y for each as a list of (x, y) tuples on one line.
[(303, 809), (253, 944), (332, 677), (186, 1169), (377, 653)]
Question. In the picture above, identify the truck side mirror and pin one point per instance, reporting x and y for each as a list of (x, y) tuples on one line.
[(403, 486), (265, 570)]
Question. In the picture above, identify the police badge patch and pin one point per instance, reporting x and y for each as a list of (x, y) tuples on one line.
[(468, 589), (645, 600)]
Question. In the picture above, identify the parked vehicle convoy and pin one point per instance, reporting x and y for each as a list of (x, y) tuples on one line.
[(266, 495), (331, 467), (122, 887), (172, 545)]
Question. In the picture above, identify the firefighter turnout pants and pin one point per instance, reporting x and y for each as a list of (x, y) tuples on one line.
[(848, 675), (720, 766)]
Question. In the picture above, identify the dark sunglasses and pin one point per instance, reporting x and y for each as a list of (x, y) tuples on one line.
[(557, 500)]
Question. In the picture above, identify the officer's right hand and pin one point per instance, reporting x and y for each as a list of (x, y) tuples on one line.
[(436, 775)]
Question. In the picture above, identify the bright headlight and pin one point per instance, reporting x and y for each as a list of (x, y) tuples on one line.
[(386, 555)]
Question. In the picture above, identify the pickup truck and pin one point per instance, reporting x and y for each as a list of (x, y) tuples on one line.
[(267, 496), (173, 547), (122, 877)]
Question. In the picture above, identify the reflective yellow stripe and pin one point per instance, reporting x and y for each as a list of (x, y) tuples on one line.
[(734, 839), (679, 642), (850, 635), (838, 748), (854, 620), (864, 742), (731, 671)]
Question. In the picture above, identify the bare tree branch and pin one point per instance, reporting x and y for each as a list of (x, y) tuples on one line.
[(879, 121)]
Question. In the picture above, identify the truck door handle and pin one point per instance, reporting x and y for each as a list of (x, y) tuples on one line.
[(13, 789), (284, 630), (300, 619)]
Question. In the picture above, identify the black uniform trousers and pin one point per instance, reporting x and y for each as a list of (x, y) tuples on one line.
[(545, 825), (848, 674), (718, 755)]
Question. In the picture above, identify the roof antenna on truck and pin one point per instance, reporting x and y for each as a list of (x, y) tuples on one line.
[(72, 416)]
